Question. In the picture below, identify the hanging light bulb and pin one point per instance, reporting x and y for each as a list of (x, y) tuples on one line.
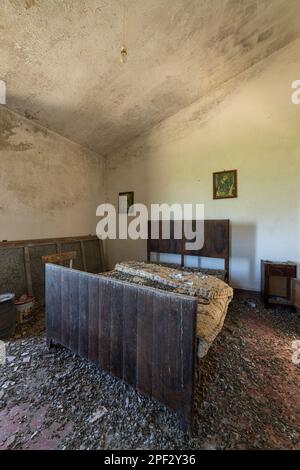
[(123, 55), (123, 52)]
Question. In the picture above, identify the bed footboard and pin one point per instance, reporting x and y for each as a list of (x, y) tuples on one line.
[(141, 335)]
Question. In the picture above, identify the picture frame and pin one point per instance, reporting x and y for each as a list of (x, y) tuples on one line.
[(225, 184), (126, 200)]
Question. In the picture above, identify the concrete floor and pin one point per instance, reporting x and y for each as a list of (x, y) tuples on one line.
[(247, 398)]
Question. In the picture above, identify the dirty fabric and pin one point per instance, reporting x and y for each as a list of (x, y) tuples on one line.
[(219, 273), (213, 295)]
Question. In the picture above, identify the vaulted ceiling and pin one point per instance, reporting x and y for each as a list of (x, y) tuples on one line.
[(60, 59)]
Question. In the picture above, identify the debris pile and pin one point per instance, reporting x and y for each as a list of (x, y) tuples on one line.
[(247, 395)]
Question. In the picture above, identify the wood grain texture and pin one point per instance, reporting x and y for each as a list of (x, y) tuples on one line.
[(59, 258), (216, 241), (273, 271), (22, 261), (296, 292), (143, 336)]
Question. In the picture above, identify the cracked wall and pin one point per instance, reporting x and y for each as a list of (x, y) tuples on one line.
[(49, 186), (249, 124), (61, 62)]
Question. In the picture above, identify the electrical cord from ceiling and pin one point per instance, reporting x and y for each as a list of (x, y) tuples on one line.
[(123, 52)]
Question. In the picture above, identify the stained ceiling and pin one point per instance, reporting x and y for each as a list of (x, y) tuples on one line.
[(60, 59)]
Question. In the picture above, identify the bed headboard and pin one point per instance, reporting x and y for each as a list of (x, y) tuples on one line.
[(216, 241)]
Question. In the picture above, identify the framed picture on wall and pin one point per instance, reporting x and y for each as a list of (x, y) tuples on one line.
[(225, 184), (126, 200)]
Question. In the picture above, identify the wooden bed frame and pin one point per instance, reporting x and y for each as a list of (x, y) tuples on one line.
[(144, 336), (216, 242)]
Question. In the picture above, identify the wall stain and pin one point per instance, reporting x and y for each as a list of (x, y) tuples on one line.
[(265, 35), (47, 171), (30, 3), (196, 45), (28, 115), (21, 147), (7, 125), (7, 130)]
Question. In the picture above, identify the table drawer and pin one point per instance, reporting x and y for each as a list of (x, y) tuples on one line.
[(285, 271)]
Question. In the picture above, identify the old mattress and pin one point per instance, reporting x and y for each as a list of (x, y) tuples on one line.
[(213, 294), (219, 273)]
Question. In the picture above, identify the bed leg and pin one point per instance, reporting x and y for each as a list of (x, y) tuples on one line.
[(49, 342), (187, 425)]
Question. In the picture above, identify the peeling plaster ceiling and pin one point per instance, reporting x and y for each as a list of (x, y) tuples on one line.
[(60, 59)]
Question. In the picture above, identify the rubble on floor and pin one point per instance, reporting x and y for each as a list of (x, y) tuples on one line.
[(247, 396)]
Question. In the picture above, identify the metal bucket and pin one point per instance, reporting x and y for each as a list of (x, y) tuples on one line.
[(7, 315), (24, 308)]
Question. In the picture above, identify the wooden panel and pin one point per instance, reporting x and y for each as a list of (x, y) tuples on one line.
[(282, 270), (278, 286), (167, 245), (93, 316), (188, 323), (153, 243), (28, 271), (37, 267), (171, 244), (59, 258), (273, 293), (12, 271), (92, 256), (161, 349), (130, 336), (296, 292), (216, 240), (73, 295), (81, 327), (174, 354), (15, 255), (66, 319), (144, 336), (76, 247), (45, 241), (104, 327), (54, 296), (116, 330)]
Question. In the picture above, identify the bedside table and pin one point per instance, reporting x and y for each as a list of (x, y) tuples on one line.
[(276, 282)]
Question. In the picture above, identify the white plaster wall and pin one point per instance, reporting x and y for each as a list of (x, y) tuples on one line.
[(251, 126), (49, 186)]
